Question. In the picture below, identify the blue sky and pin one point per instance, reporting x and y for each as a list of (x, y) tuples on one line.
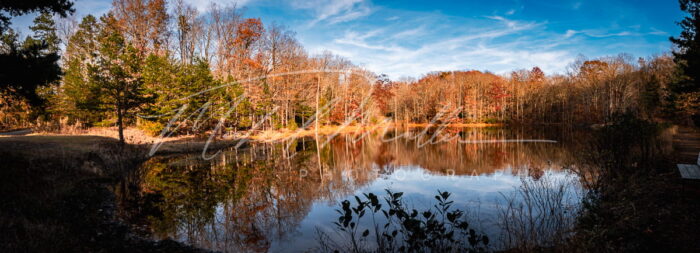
[(413, 37)]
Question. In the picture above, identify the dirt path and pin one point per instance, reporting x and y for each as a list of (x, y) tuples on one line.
[(686, 145), (17, 132)]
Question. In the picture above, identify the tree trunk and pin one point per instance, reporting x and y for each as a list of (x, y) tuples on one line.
[(318, 90), (120, 124)]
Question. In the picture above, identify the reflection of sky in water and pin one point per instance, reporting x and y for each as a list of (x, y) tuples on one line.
[(479, 196), (292, 207)]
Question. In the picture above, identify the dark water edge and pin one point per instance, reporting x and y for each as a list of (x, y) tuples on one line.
[(62, 201), (163, 210), (57, 205), (184, 190)]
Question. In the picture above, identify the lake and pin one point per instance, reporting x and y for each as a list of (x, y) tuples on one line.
[(280, 197)]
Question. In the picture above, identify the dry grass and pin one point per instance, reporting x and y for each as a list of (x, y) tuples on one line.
[(62, 126), (539, 214), (51, 145), (76, 137), (131, 135), (282, 134), (134, 135), (94, 154)]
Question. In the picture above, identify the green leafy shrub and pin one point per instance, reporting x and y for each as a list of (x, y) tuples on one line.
[(438, 229)]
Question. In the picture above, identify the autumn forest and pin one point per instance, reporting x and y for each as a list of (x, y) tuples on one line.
[(140, 64), (349, 126)]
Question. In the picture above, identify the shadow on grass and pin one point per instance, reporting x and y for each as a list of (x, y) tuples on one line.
[(58, 196)]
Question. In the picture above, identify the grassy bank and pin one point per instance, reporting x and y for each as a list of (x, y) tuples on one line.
[(139, 137), (58, 193)]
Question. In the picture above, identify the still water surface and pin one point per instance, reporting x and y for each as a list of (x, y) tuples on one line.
[(277, 197)]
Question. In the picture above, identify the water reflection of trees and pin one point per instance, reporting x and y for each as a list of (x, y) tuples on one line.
[(246, 199), (456, 156)]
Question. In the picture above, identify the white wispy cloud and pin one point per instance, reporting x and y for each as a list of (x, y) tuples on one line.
[(352, 38), (655, 31), (334, 11), (599, 34), (606, 34), (577, 5), (409, 33), (417, 48), (508, 22)]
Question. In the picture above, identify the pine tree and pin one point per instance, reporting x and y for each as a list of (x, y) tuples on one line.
[(77, 98), (116, 74), (687, 57), (29, 65), (170, 82), (32, 63), (18, 8), (44, 29)]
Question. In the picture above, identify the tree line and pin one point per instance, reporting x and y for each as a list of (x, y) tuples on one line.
[(147, 62), (594, 91)]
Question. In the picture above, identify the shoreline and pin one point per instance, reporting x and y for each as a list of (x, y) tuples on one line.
[(82, 191), (63, 192), (190, 143), (281, 134)]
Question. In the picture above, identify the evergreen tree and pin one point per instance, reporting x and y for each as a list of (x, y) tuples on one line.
[(44, 29), (29, 65), (688, 55), (77, 98), (8, 9), (33, 63), (116, 74), (169, 83), (688, 59)]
